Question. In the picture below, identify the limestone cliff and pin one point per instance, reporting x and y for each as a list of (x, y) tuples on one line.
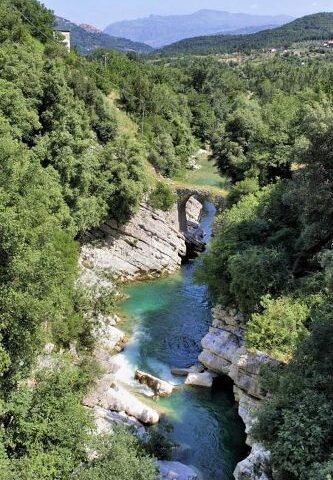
[(151, 243), (224, 353)]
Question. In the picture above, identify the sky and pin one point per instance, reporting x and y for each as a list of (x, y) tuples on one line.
[(103, 12)]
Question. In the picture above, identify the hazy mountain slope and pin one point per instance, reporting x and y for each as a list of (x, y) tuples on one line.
[(312, 27), (86, 41), (162, 30)]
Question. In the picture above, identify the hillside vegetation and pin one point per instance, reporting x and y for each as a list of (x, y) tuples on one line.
[(76, 137), (271, 256), (312, 27)]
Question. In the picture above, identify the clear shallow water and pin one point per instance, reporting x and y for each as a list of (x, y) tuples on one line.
[(167, 318)]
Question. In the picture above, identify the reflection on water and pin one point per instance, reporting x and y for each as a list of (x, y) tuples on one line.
[(167, 320)]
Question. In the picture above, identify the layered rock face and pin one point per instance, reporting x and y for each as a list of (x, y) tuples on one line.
[(224, 353), (151, 243)]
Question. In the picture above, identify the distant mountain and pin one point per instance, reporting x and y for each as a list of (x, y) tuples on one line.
[(312, 27), (85, 39), (158, 31), (90, 28)]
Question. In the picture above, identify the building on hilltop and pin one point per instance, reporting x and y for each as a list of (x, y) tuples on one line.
[(328, 43), (65, 37)]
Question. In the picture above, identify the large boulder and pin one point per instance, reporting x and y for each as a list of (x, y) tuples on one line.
[(105, 421), (118, 399), (175, 471), (204, 379), (183, 372), (159, 387)]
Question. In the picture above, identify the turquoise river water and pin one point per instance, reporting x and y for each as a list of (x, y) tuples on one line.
[(167, 318)]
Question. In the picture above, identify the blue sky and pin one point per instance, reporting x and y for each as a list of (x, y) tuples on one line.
[(104, 12)]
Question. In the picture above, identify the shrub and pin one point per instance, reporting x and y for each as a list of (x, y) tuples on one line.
[(255, 272), (162, 197), (278, 330), (120, 457)]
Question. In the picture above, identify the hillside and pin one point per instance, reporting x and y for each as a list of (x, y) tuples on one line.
[(158, 31), (85, 41), (312, 27)]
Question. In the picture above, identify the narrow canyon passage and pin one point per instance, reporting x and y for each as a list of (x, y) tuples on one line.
[(167, 318)]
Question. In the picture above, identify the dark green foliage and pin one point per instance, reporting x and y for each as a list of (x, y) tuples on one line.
[(158, 443), (311, 27), (254, 272), (122, 177), (162, 197), (296, 424), (271, 255)]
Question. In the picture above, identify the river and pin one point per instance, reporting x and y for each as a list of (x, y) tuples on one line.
[(167, 318)]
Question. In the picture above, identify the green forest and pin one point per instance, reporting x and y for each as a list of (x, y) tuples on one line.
[(68, 162)]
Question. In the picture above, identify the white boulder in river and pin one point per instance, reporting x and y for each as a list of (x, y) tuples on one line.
[(120, 400), (204, 379), (175, 471)]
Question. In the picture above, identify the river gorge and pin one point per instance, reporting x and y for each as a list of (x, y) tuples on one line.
[(167, 323), (167, 319)]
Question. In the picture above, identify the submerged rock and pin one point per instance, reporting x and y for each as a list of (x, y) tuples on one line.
[(159, 387), (183, 372), (204, 379), (175, 471)]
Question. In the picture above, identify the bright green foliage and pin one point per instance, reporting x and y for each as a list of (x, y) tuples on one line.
[(122, 177), (154, 97), (279, 328), (38, 255), (46, 426), (36, 18), (47, 432), (296, 423), (244, 187), (252, 255), (162, 197)]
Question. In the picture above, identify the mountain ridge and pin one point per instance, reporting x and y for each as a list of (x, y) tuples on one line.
[(317, 26), (159, 30), (86, 41)]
